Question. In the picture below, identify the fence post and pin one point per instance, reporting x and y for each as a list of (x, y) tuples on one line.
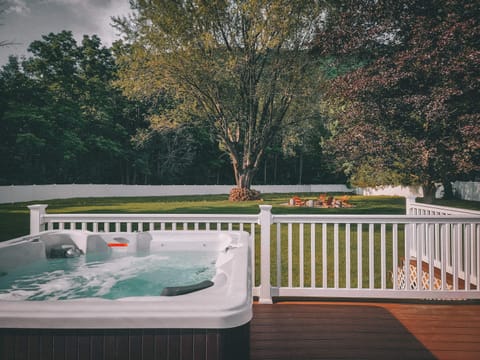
[(265, 220), (410, 201), (36, 218)]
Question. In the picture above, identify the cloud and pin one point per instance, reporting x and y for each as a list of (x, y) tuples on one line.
[(19, 7), (28, 20)]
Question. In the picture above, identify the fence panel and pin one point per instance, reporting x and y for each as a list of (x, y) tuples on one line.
[(382, 262)]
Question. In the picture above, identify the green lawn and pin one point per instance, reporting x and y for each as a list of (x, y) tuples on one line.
[(14, 218)]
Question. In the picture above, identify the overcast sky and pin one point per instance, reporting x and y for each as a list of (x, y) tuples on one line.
[(24, 21)]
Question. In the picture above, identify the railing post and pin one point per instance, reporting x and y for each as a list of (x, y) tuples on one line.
[(409, 205), (36, 218), (265, 221), (410, 230)]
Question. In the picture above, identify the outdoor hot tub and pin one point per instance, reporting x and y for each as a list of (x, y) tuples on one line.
[(158, 294)]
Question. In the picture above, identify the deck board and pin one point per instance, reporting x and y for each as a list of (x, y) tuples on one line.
[(342, 330)]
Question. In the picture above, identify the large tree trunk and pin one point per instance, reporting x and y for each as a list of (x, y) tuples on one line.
[(429, 190), (243, 179)]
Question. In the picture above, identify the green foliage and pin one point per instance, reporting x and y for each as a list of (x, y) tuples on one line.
[(410, 115), (63, 120), (240, 66)]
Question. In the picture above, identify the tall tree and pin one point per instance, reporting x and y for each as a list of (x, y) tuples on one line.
[(237, 64), (409, 112), (63, 120)]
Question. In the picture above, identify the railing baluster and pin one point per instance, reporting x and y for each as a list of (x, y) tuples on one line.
[(279, 255), (347, 256), (473, 264), (336, 264), (324, 256), (290, 255), (420, 247), (477, 256), (456, 253), (467, 249), (312, 256), (359, 257), (445, 230), (254, 252), (461, 261), (395, 256), (409, 239), (431, 258), (301, 254), (371, 254), (383, 254)]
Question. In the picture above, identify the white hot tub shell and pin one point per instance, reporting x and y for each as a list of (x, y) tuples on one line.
[(226, 304)]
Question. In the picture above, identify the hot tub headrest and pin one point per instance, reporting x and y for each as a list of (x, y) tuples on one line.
[(59, 245), (96, 244), (143, 241)]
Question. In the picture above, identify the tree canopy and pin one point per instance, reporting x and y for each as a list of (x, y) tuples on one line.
[(407, 113), (63, 121), (236, 65), (387, 91), (61, 118)]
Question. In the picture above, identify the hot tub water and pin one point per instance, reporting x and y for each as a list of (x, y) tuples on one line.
[(116, 276)]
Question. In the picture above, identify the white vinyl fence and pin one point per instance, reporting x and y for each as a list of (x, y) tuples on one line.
[(358, 256), (24, 193)]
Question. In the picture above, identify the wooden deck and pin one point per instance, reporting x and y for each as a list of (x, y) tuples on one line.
[(341, 330)]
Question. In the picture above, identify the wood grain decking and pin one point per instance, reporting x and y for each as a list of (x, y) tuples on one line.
[(340, 330)]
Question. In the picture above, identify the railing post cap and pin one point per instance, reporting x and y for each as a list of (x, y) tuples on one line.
[(37, 206), (265, 207)]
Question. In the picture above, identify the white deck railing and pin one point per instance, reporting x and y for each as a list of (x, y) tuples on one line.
[(414, 208), (447, 236), (372, 256)]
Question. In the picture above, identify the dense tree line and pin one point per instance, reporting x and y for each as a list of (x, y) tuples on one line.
[(64, 121)]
